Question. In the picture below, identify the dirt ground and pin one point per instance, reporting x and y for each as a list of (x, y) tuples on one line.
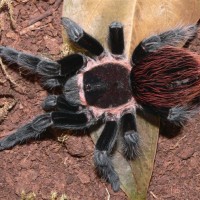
[(50, 166)]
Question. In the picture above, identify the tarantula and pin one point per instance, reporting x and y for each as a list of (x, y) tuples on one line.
[(108, 88)]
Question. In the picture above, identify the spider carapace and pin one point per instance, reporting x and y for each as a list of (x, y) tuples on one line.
[(108, 88)]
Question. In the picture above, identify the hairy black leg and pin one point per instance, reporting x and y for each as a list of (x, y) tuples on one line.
[(130, 136), (79, 36), (116, 38), (72, 63), (103, 149), (35, 64), (72, 120), (48, 68), (172, 37), (58, 102), (71, 91), (53, 82), (69, 65), (62, 120), (179, 115), (30, 130)]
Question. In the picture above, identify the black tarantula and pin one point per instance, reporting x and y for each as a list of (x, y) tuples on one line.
[(108, 88)]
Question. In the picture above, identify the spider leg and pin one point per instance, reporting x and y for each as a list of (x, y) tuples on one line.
[(62, 120), (179, 115), (130, 137), (58, 102), (72, 63), (116, 38), (79, 36), (71, 91), (53, 82), (69, 65), (172, 38), (103, 149), (53, 71)]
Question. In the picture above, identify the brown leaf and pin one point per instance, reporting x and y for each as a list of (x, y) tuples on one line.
[(141, 19)]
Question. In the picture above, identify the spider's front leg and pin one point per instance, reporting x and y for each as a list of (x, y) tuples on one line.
[(116, 38), (80, 37), (54, 73), (69, 65), (102, 153), (131, 139), (58, 102), (169, 38), (179, 115), (63, 120)]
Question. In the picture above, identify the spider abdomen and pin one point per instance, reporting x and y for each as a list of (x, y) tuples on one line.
[(107, 85), (167, 78)]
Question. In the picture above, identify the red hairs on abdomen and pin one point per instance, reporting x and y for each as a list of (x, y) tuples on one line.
[(167, 78)]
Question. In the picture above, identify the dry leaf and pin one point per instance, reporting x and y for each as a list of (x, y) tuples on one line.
[(141, 19)]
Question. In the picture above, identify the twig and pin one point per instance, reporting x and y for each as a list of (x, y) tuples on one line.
[(63, 138), (108, 197), (154, 196), (9, 78), (177, 144), (5, 108), (46, 14), (6, 73), (198, 175), (2, 81), (8, 3)]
